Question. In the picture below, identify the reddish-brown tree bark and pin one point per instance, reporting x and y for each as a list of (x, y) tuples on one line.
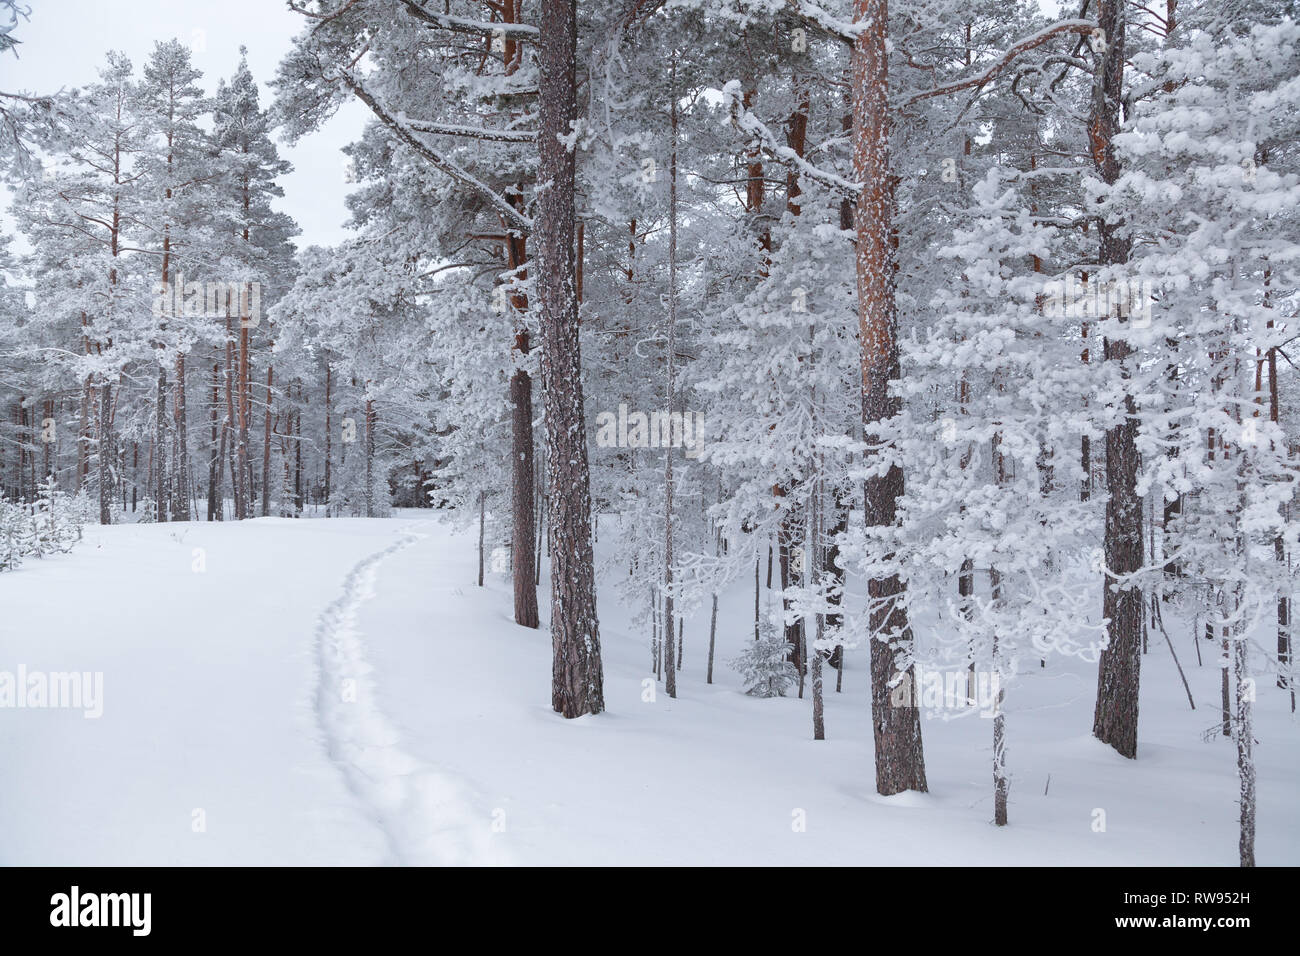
[(900, 760)]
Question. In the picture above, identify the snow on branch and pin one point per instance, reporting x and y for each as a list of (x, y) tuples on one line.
[(406, 134), (446, 21), (470, 132), (845, 30), (751, 125), (1083, 27)]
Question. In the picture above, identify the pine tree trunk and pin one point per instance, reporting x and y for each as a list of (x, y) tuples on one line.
[(47, 446), (297, 456), (900, 758), (713, 612), (243, 406), (522, 557), (181, 447), (236, 490), (831, 568), (1119, 667), (370, 458), (20, 461), (815, 557), (105, 454), (228, 441), (1225, 681), (161, 497), (266, 447), (482, 526), (539, 509), (215, 451), (329, 432), (789, 578), (525, 564), (1279, 547), (670, 681), (1001, 783), (83, 435), (577, 683), (1245, 751)]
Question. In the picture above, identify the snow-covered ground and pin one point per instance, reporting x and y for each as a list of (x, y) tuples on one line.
[(340, 692)]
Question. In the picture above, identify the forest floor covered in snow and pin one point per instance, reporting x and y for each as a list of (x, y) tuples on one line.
[(341, 692)]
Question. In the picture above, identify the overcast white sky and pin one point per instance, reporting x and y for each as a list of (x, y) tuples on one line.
[(64, 42)]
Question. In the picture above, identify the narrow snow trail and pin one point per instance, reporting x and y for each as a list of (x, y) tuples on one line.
[(427, 816)]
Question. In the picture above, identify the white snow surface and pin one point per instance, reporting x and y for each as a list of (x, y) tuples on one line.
[(340, 692)]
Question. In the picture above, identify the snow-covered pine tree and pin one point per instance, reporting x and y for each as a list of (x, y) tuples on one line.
[(1214, 200), (254, 249)]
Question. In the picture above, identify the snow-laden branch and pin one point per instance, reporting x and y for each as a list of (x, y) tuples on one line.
[(751, 125), (1082, 27), (445, 21), (406, 134), (845, 30), (469, 132)]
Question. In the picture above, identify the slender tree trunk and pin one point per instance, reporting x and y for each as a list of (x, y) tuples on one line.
[(297, 456), (1225, 680), (329, 432), (228, 441), (900, 758), (831, 568), (1279, 547), (482, 525), (47, 444), (243, 407), (105, 453), (215, 453), (713, 613), (670, 681), (523, 515), (813, 550), (235, 483), (1116, 716), (539, 510), (83, 432), (1001, 783), (266, 447), (181, 447), (577, 682), (161, 497), (1245, 739), (1085, 443), (370, 457), (523, 561), (656, 645)]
